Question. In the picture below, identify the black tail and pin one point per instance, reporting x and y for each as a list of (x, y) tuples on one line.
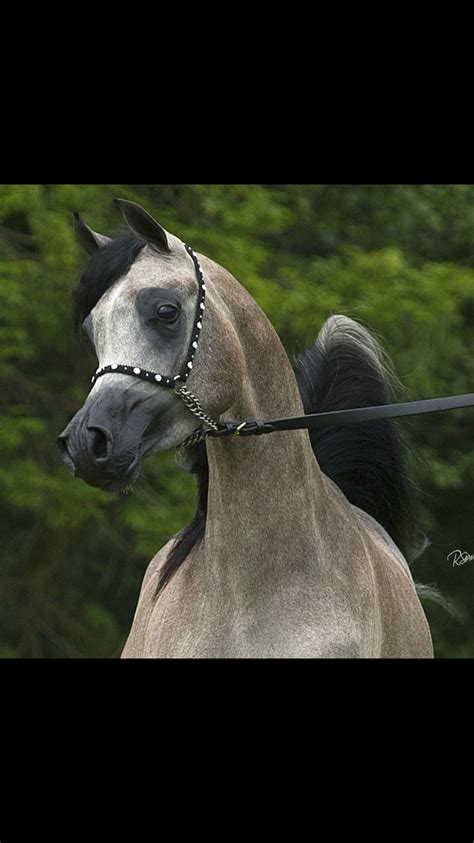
[(346, 367)]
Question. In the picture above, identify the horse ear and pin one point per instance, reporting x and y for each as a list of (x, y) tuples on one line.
[(143, 225), (90, 240)]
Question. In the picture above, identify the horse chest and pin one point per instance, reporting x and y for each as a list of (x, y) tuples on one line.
[(289, 622)]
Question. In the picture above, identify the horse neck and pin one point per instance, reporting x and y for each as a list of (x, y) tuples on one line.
[(265, 498)]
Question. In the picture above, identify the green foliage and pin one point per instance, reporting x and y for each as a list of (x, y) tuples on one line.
[(399, 258)]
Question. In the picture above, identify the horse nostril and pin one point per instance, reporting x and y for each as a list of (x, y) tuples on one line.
[(101, 444), (65, 454)]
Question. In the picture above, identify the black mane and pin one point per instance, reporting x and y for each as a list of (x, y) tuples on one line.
[(105, 267), (371, 463), (190, 535)]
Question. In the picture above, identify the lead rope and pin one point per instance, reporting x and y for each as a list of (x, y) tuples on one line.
[(356, 415)]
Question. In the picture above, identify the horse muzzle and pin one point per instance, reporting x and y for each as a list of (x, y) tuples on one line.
[(104, 443)]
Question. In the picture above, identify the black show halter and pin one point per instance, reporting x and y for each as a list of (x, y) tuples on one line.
[(258, 427), (174, 381)]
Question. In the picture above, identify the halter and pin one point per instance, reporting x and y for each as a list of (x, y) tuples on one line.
[(174, 381), (258, 427)]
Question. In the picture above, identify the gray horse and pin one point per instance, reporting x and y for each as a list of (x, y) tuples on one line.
[(298, 546)]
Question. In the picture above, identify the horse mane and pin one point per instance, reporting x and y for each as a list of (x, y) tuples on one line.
[(372, 462), (105, 267), (190, 535), (346, 367)]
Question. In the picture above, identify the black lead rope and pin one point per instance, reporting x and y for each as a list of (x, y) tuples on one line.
[(344, 417)]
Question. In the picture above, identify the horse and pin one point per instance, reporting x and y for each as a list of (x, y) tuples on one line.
[(300, 543)]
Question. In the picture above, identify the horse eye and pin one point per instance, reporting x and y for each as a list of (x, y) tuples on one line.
[(167, 313)]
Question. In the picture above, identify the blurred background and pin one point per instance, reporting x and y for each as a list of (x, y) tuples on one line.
[(398, 257)]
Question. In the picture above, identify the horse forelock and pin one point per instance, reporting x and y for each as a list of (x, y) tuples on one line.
[(104, 268)]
